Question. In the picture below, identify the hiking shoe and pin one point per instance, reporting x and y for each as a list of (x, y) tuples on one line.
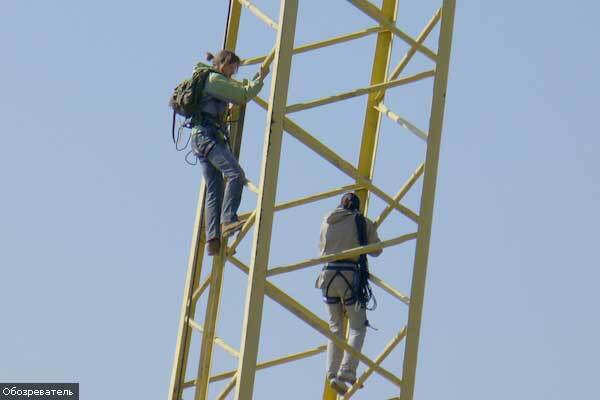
[(339, 386), (351, 380), (213, 246), (231, 228)]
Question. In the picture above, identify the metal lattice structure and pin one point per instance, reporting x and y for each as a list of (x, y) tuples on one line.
[(241, 380)]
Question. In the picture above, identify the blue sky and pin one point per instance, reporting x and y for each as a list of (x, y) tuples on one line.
[(97, 207)]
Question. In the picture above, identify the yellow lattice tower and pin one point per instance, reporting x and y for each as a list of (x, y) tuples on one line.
[(278, 122)]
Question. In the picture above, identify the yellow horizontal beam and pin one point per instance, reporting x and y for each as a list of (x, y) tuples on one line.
[(401, 121), (401, 193), (380, 358), (359, 92), (263, 365), (316, 197), (354, 252), (271, 363), (316, 323), (320, 44), (218, 341), (250, 217), (259, 14), (309, 199), (325, 152), (376, 14)]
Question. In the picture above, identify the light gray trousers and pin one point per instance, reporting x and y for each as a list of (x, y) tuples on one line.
[(338, 361)]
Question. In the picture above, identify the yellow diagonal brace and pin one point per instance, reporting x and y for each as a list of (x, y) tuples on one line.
[(227, 389), (350, 253), (380, 358), (401, 193), (379, 282), (401, 121), (198, 292), (344, 166), (304, 137), (320, 44), (251, 186), (359, 92), (259, 14), (413, 49), (217, 340), (315, 322), (243, 232), (267, 61), (378, 16)]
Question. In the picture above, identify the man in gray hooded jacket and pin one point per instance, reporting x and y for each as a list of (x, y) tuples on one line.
[(338, 233)]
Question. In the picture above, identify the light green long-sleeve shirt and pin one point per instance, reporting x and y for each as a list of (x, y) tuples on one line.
[(230, 90)]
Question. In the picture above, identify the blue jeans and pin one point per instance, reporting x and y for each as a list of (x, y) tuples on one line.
[(217, 163)]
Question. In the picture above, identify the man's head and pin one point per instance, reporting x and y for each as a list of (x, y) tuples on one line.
[(350, 202)]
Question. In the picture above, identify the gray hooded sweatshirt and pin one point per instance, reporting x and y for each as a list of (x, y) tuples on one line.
[(338, 233)]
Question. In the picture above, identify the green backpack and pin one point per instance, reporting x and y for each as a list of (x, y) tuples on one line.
[(185, 100)]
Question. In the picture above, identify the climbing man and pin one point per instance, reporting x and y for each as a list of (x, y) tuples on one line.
[(344, 285), (210, 144)]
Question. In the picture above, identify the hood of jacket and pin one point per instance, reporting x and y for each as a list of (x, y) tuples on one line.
[(338, 214)]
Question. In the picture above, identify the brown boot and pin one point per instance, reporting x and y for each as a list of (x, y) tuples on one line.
[(231, 228), (213, 246)]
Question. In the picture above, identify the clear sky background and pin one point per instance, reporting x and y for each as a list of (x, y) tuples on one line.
[(97, 208)]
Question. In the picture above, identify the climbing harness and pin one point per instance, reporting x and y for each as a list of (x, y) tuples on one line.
[(338, 267), (360, 289)]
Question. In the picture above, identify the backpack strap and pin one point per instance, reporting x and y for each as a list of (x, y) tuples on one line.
[(173, 129), (363, 291)]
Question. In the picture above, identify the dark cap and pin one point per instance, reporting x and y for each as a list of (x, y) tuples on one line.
[(350, 201)]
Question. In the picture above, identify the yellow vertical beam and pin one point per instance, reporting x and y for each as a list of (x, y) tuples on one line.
[(266, 200), (427, 202), (238, 112), (370, 136), (233, 26), (211, 317), (188, 308)]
